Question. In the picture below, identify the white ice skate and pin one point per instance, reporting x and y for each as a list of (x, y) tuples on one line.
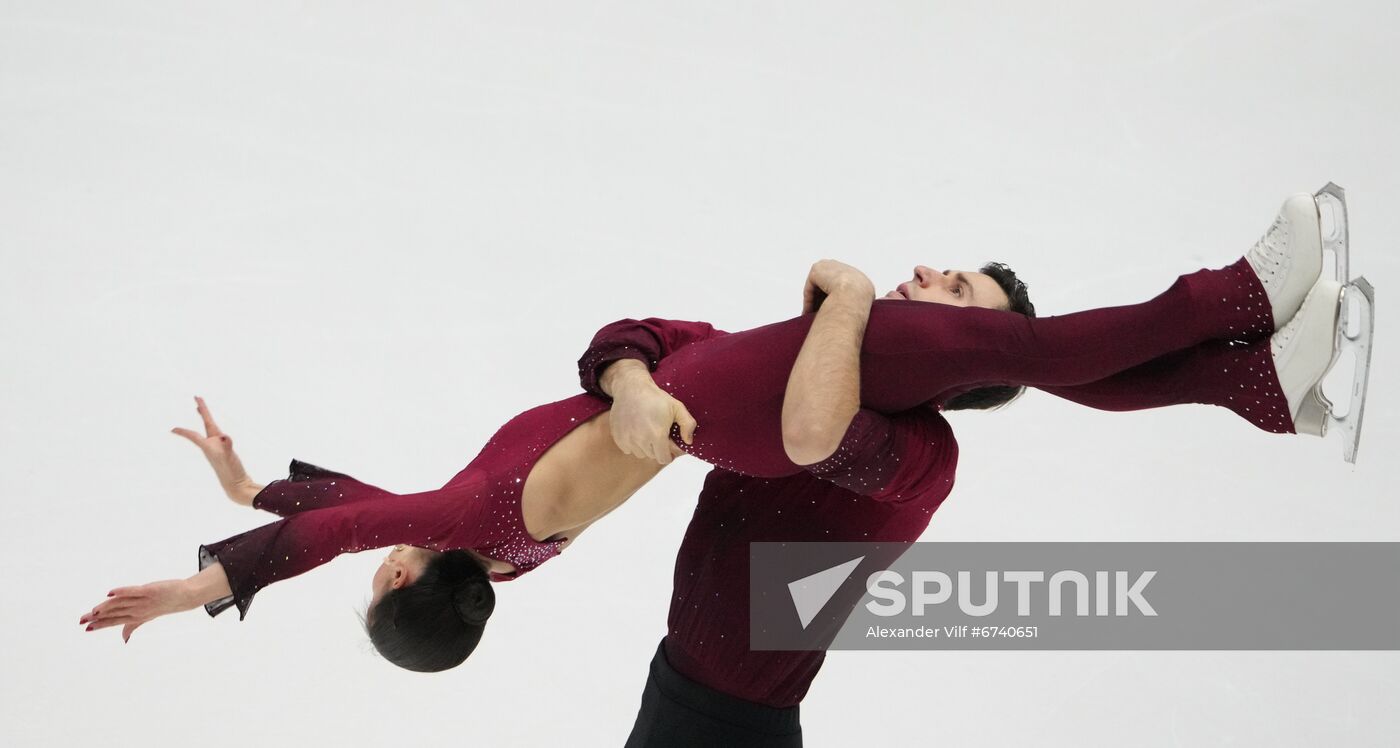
[(1304, 351), (1287, 259), (1351, 331)]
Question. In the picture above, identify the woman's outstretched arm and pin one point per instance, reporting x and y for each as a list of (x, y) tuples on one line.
[(449, 517), (130, 607)]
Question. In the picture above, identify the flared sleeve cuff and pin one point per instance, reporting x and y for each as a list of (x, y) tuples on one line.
[(207, 557), (309, 487)]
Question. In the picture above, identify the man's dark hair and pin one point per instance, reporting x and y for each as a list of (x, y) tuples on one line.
[(434, 623), (995, 396)]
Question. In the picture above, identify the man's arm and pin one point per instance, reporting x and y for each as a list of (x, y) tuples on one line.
[(823, 390), (623, 373), (904, 457)]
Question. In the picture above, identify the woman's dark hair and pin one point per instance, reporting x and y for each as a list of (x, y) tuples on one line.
[(995, 396), (434, 623)]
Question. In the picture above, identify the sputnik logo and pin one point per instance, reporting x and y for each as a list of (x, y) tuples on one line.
[(811, 593)]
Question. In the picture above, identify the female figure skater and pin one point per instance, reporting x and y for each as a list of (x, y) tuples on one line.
[(553, 470)]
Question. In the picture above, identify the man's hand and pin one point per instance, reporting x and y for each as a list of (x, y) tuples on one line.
[(642, 413), (828, 277), (218, 449)]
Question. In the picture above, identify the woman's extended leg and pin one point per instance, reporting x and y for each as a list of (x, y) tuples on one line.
[(1231, 374), (912, 349)]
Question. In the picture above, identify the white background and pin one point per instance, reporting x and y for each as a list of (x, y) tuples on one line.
[(369, 233)]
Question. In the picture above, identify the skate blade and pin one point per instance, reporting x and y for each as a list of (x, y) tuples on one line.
[(1315, 412), (1332, 211), (1360, 347)]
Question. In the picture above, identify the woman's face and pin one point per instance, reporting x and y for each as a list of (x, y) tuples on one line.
[(401, 567)]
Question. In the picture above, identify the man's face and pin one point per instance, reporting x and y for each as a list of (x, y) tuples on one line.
[(955, 287)]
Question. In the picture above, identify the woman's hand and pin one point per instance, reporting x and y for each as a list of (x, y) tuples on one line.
[(218, 449), (642, 414), (129, 607), (829, 277)]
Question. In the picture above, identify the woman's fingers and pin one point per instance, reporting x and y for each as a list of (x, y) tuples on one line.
[(192, 436), (106, 623), (126, 616), (214, 443), (93, 615), (210, 428), (114, 606), (126, 630), (120, 597), (135, 610)]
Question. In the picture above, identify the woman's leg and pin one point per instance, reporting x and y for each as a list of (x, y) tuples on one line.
[(913, 351), (1231, 374)]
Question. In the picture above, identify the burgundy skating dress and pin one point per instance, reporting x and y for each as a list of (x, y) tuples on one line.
[(327, 513)]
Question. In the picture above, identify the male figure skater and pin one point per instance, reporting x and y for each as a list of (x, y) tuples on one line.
[(706, 687), (878, 478)]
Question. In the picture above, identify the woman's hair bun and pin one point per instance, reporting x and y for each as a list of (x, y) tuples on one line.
[(474, 599), (434, 623)]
